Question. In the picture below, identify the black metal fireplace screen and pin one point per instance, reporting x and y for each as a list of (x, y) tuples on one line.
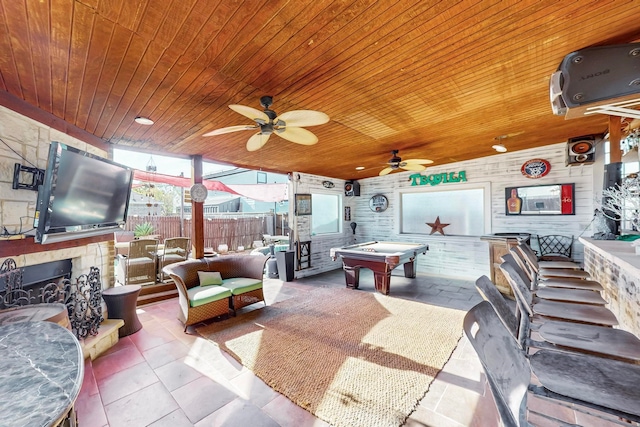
[(82, 297)]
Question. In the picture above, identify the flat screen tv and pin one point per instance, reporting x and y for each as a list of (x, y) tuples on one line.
[(82, 195)]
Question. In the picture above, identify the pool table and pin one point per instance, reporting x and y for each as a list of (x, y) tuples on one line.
[(381, 258)]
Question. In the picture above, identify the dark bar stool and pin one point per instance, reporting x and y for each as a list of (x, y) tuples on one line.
[(121, 304)]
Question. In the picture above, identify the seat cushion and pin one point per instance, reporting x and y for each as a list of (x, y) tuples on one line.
[(140, 261), (199, 295), (172, 258), (240, 285)]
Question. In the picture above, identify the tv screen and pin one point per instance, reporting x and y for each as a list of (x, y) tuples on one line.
[(82, 195)]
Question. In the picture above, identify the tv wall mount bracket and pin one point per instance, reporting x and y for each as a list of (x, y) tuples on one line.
[(36, 175)]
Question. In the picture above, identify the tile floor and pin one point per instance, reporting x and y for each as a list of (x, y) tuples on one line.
[(161, 376)]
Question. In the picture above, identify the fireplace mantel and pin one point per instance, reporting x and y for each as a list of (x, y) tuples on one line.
[(14, 248)]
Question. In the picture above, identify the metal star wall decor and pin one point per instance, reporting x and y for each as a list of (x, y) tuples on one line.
[(437, 226)]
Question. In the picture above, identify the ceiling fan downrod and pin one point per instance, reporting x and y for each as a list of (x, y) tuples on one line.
[(395, 160)]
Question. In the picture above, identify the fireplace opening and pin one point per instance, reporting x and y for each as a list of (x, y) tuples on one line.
[(27, 283), (43, 274)]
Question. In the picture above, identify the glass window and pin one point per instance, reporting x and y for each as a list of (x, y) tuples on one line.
[(463, 210), (325, 217)]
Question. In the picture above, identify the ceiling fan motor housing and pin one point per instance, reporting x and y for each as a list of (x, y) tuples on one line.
[(394, 162), (266, 101)]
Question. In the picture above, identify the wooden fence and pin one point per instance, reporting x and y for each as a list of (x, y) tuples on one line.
[(232, 230)]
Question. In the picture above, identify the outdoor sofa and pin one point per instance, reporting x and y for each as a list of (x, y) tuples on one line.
[(203, 294)]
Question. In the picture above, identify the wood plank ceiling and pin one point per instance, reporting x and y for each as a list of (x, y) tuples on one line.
[(434, 79)]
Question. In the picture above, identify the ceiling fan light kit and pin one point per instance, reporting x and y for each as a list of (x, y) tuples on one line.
[(288, 125), (396, 163), (499, 148)]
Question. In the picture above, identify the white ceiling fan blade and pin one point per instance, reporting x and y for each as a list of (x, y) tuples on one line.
[(230, 129), (257, 141), (413, 167), (418, 161), (297, 135), (301, 118), (249, 112), (385, 171)]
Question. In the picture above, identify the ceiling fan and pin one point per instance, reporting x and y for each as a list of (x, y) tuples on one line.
[(396, 163), (288, 125)]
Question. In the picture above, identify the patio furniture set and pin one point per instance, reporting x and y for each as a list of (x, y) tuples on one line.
[(145, 258)]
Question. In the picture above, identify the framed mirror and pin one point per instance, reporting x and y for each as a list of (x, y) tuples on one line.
[(555, 199)]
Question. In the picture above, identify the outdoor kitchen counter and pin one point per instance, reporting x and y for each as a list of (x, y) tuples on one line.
[(41, 375), (616, 266)]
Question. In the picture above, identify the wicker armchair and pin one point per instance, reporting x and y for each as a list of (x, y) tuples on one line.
[(176, 249), (139, 266), (233, 270)]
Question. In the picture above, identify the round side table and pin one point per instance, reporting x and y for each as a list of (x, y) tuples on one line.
[(121, 304)]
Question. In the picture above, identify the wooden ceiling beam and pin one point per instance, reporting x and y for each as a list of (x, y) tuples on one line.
[(615, 135)]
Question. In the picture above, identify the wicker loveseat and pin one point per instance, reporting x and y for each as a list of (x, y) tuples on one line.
[(241, 285)]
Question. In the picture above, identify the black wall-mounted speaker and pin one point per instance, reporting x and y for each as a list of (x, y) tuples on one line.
[(593, 74), (581, 150), (352, 188)]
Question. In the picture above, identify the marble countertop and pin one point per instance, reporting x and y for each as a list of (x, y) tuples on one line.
[(41, 375)]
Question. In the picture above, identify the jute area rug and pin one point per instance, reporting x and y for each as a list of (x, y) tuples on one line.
[(350, 357)]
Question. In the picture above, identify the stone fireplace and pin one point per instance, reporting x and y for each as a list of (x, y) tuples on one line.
[(72, 276), (82, 258)]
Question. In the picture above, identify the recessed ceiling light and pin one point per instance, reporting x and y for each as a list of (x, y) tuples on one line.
[(359, 168), (144, 121), (499, 148)]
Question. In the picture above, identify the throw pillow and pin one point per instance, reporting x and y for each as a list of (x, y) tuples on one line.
[(208, 278)]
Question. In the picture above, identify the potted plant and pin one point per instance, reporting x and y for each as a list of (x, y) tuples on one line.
[(143, 230)]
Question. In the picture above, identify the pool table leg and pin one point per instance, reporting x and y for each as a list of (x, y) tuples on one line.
[(382, 280), (410, 269), (352, 276)]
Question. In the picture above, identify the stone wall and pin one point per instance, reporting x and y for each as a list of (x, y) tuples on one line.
[(622, 287), (26, 141)]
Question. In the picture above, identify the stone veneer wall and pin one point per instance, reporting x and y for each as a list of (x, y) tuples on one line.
[(622, 289), (26, 141)]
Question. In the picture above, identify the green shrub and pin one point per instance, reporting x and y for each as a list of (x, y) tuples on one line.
[(144, 229)]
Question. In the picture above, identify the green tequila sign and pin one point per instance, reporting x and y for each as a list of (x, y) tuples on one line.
[(438, 178)]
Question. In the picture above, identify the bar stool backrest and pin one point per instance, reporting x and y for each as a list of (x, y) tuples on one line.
[(487, 289), (519, 287), (507, 369), (555, 247)]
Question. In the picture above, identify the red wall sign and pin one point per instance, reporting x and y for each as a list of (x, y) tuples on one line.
[(535, 168), (566, 199)]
